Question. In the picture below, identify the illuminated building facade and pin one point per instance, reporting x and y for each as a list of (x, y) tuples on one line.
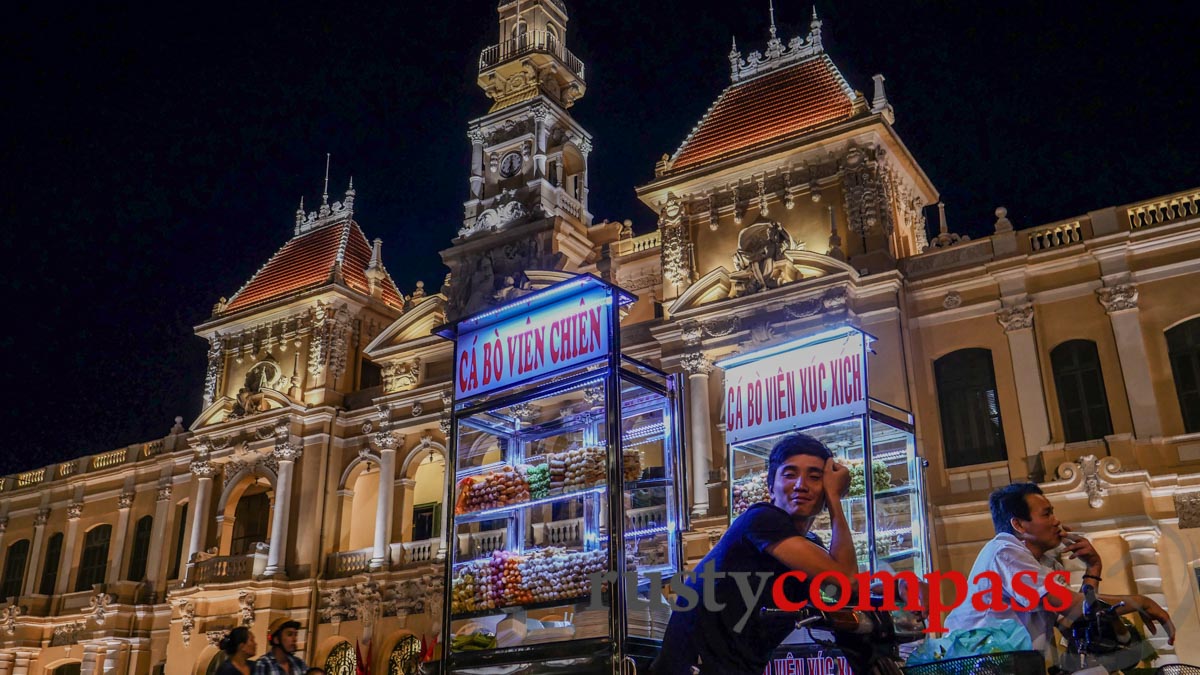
[(312, 484)]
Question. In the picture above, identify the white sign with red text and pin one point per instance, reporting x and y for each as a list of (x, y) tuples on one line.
[(796, 388), (534, 344)]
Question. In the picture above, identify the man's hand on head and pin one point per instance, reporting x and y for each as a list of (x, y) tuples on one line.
[(836, 480)]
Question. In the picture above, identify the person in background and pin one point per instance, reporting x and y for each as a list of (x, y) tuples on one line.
[(281, 658), (239, 645), (1026, 532)]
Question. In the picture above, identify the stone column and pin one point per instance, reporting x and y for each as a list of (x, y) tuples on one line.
[(162, 511), (585, 147), (476, 136), (23, 662), (6, 663), (204, 471), (1147, 578), (74, 511), (408, 492), (1027, 375), (114, 658), (697, 366), (3, 529), (387, 443), (93, 659), (117, 550), (35, 555), (540, 134), (1120, 301), (287, 455)]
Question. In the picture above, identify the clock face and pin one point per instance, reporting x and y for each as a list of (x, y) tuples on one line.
[(510, 164)]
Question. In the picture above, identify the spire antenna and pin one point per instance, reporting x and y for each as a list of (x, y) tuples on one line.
[(325, 195)]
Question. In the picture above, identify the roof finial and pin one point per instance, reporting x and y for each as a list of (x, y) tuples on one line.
[(772, 5), (733, 50), (325, 196), (942, 218)]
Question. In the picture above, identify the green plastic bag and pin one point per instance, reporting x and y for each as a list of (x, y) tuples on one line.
[(1004, 635)]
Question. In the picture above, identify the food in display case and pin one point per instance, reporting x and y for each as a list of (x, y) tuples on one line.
[(538, 476), (535, 449), (631, 464), (576, 468), (506, 486), (510, 579), (881, 477), (749, 491)]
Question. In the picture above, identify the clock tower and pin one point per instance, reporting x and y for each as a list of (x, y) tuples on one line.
[(528, 202)]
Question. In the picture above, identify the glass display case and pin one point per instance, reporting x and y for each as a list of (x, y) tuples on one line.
[(561, 473), (818, 386), (885, 511)]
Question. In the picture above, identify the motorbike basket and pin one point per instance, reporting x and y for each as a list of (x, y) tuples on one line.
[(1003, 663)]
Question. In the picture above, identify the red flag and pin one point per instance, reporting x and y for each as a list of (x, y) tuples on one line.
[(427, 648), (362, 667)]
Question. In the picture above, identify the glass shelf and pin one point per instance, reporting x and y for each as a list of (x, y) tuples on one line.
[(492, 513)]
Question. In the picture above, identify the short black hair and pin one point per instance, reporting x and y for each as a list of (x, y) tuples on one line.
[(790, 446), (1009, 502), (234, 639)]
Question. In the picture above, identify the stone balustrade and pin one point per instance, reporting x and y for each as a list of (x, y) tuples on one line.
[(347, 563), (1055, 235), (107, 459), (227, 568), (1163, 210), (646, 242)]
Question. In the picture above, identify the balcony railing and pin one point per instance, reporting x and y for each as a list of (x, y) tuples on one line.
[(31, 477), (646, 242), (420, 552), (569, 205), (227, 568), (107, 459), (1056, 235), (533, 41), (348, 563), (1164, 210)]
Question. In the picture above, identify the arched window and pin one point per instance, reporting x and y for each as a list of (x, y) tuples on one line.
[(68, 669), (1082, 402), (141, 549), (215, 663), (250, 523), (93, 563), (406, 656), (1183, 346), (50, 568), (341, 660), (14, 569), (972, 431)]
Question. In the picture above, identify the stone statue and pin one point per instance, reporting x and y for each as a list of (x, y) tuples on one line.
[(760, 261)]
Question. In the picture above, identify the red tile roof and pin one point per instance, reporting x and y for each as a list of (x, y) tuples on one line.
[(781, 104), (307, 262)]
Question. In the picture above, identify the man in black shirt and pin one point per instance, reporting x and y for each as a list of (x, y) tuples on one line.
[(769, 538)]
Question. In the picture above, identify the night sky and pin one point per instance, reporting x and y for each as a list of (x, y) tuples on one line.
[(155, 155)]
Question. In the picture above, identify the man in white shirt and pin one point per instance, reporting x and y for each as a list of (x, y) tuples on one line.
[(1026, 531)]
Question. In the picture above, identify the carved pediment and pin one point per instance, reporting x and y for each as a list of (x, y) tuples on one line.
[(720, 284), (417, 323), (225, 408)]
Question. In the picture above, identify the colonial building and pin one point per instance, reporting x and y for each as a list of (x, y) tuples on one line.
[(312, 485)]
